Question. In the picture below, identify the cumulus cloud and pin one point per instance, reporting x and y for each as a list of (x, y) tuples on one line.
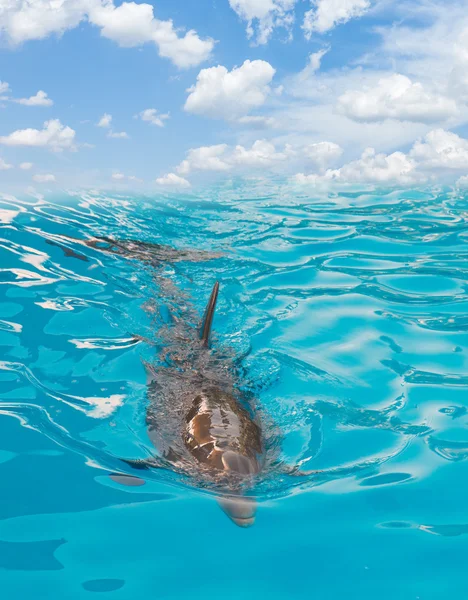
[(323, 153), (205, 158), (132, 24), (395, 168), (263, 16), (441, 149), (173, 180), (396, 97), (4, 166), (328, 13), (23, 20), (439, 153), (151, 115), (40, 99), (44, 178), (129, 24), (26, 166), (222, 94), (261, 154), (54, 135), (222, 158), (105, 121), (118, 176)]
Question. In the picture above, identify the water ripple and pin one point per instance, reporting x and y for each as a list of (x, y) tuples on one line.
[(347, 317)]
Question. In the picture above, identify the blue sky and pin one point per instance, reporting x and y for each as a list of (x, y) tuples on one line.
[(322, 92)]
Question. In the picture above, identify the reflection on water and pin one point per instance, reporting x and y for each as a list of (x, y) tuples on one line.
[(345, 319)]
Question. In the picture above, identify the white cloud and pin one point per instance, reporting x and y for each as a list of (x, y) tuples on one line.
[(329, 13), (395, 168), (132, 24), (24, 20), (105, 121), (44, 178), (26, 166), (261, 154), (4, 87), (173, 180), (40, 99), (223, 94), (4, 166), (151, 115), (323, 153), (437, 155), (129, 24), (462, 183), (222, 158), (308, 111), (187, 51), (441, 149), (54, 135), (263, 16), (118, 176), (205, 158), (396, 97), (313, 64), (122, 135)]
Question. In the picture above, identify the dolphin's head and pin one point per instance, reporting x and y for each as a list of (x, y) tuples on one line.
[(240, 509)]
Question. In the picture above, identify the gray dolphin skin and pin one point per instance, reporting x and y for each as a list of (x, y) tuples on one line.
[(200, 424), (197, 420)]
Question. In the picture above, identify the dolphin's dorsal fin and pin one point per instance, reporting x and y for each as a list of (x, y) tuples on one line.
[(205, 330)]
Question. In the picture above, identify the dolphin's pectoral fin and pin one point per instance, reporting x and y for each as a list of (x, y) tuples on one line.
[(141, 464), (129, 480), (207, 322)]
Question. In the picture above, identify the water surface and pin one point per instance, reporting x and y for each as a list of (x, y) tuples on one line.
[(348, 316)]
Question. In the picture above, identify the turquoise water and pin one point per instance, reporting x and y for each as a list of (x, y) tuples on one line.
[(348, 316)]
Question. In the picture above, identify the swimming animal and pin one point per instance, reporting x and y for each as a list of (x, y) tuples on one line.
[(199, 422)]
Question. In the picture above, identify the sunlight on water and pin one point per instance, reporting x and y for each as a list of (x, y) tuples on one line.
[(347, 319)]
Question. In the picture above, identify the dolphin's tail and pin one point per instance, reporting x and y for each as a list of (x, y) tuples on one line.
[(207, 322), (148, 252)]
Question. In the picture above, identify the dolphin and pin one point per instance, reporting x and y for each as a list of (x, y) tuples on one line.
[(198, 420), (201, 425)]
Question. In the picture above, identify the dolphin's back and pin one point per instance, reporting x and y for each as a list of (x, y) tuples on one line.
[(218, 427)]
